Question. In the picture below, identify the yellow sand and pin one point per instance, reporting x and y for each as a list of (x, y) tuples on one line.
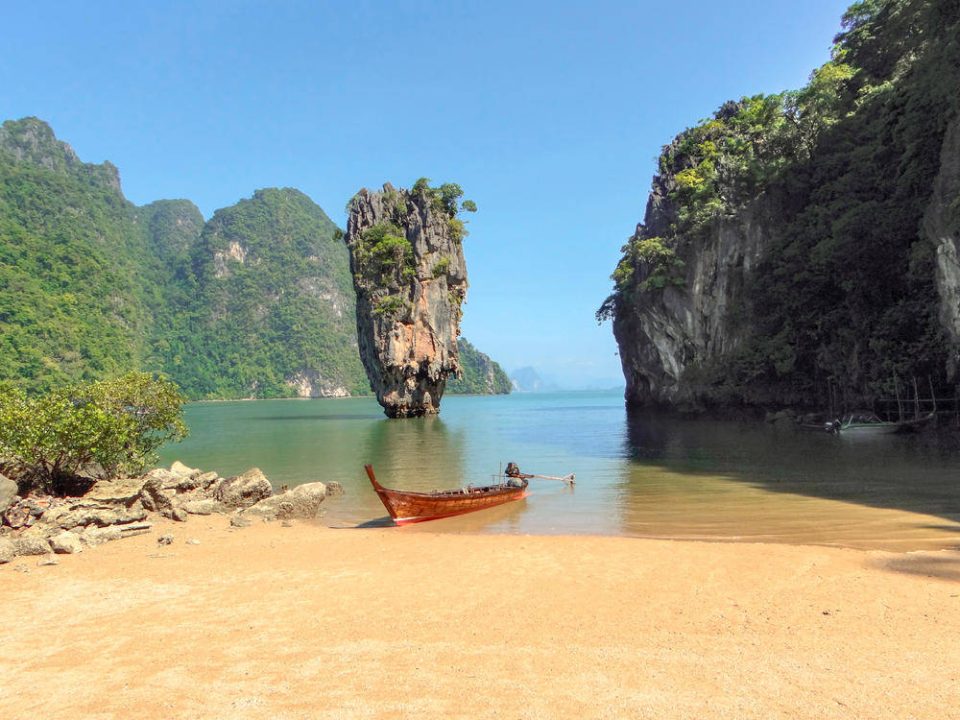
[(311, 622)]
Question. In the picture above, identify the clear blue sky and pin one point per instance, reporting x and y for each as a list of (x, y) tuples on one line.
[(549, 114)]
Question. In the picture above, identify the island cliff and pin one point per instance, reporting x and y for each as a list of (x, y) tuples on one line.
[(803, 247), (410, 277)]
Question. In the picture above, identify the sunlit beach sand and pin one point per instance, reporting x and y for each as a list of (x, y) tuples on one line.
[(308, 621)]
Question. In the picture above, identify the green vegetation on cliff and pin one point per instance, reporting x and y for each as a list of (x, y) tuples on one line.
[(72, 306), (275, 306), (481, 375), (257, 302), (845, 291)]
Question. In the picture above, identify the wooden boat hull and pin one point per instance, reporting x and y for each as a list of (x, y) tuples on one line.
[(415, 507)]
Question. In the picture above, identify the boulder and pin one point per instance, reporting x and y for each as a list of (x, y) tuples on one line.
[(66, 543), (31, 544), (175, 481), (88, 512), (187, 478), (124, 491), (153, 496), (8, 492), (207, 506), (94, 536), (207, 479), (303, 501), (178, 468), (24, 512), (8, 550), (242, 491)]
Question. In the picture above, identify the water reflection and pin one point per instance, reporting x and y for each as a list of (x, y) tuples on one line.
[(750, 481), (637, 474)]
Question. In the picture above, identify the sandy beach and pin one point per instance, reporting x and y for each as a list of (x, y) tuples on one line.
[(312, 622)]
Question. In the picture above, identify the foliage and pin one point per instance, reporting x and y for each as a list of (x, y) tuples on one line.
[(389, 305), (385, 247), (441, 267), (444, 198), (480, 374), (117, 424), (660, 264), (284, 309), (458, 230)]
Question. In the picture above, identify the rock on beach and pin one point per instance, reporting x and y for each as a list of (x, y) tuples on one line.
[(120, 507), (302, 502)]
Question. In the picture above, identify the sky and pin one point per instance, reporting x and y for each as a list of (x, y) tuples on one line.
[(550, 115)]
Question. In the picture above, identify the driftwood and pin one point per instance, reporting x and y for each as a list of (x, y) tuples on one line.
[(134, 529)]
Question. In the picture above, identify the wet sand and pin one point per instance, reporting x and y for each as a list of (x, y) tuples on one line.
[(313, 622)]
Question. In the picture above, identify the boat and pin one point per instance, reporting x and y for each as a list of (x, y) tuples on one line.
[(407, 507), (867, 423)]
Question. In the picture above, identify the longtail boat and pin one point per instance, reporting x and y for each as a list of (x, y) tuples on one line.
[(413, 507)]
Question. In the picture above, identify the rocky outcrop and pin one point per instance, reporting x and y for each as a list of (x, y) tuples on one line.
[(31, 141), (7, 550), (801, 250), (410, 277), (302, 502), (941, 224), (242, 491), (662, 332), (8, 492), (66, 543), (312, 384), (123, 507)]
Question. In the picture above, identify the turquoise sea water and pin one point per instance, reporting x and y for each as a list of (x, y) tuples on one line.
[(638, 475)]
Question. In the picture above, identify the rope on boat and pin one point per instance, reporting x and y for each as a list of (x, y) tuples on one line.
[(568, 479)]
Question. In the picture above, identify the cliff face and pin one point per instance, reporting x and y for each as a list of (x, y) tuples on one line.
[(941, 224), (804, 246), (696, 316), (410, 279)]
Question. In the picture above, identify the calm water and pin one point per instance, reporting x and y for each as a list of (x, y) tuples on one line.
[(639, 475)]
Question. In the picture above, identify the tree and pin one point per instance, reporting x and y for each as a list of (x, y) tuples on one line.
[(117, 424)]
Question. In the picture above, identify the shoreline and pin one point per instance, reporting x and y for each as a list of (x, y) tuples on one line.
[(310, 621)]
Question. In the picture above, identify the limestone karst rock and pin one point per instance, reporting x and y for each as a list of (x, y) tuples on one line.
[(410, 276), (803, 247)]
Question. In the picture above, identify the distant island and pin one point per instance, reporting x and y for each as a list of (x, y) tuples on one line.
[(256, 302), (528, 380)]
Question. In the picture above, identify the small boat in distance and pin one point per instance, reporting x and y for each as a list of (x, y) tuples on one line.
[(867, 423), (413, 507)]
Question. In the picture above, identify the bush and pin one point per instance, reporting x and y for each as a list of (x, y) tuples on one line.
[(117, 424)]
